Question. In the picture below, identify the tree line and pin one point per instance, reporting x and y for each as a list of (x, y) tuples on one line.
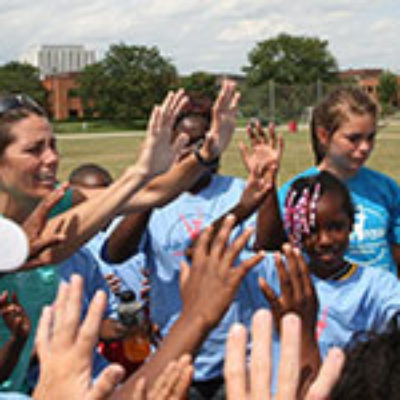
[(283, 75)]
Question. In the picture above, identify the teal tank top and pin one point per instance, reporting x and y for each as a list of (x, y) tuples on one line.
[(35, 289)]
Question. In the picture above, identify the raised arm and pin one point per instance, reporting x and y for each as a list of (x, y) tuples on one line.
[(261, 160), (81, 222), (208, 288), (184, 174), (270, 234), (124, 240), (297, 295)]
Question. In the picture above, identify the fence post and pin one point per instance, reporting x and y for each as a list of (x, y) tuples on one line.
[(271, 98)]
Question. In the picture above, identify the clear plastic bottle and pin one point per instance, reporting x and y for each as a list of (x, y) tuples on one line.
[(134, 315)]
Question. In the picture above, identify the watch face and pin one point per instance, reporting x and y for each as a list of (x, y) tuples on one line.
[(14, 245)]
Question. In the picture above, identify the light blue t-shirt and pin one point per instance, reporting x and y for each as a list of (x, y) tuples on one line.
[(377, 224), (170, 230), (363, 300), (35, 289), (14, 396), (129, 272)]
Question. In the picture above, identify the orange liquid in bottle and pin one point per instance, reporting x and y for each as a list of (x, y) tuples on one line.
[(136, 347)]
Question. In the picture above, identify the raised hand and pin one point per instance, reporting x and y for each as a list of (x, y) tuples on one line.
[(224, 114), (158, 149), (257, 384), (297, 290), (65, 348), (208, 287), (297, 295), (14, 316), (265, 152), (172, 384), (328, 375), (257, 188)]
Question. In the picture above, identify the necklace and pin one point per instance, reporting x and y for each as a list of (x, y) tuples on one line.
[(341, 273)]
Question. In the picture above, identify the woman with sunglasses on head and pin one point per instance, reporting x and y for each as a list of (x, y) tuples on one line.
[(28, 171)]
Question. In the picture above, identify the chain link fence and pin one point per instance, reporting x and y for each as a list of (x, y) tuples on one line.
[(281, 103)]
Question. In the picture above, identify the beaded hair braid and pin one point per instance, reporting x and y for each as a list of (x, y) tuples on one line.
[(300, 212)]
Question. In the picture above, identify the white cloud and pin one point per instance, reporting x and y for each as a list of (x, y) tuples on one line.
[(208, 34), (256, 29)]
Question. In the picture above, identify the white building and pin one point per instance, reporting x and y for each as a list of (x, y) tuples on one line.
[(56, 59)]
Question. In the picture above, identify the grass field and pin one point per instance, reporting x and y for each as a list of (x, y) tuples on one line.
[(117, 151)]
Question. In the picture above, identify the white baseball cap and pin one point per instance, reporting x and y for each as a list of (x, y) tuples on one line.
[(14, 245)]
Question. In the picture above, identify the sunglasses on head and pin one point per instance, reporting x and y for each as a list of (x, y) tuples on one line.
[(18, 101)]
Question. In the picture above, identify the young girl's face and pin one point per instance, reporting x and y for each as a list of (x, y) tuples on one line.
[(328, 242), (349, 147)]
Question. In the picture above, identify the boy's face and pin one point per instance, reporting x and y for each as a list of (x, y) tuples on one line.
[(193, 125), (329, 240)]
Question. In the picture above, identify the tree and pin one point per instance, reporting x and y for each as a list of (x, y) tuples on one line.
[(22, 78), (127, 83), (286, 74), (387, 90), (201, 84), (291, 60)]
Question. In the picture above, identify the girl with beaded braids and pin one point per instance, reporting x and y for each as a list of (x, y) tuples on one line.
[(343, 131), (334, 297)]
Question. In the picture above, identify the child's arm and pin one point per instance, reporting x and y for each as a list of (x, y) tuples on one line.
[(261, 161), (270, 233), (123, 242), (18, 323), (125, 238), (208, 288), (297, 295)]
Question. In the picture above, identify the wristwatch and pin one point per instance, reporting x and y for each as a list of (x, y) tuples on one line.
[(206, 163)]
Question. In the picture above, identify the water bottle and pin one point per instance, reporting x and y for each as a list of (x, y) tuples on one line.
[(134, 315)]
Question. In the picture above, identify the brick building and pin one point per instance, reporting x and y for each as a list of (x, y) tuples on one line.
[(63, 102), (368, 80)]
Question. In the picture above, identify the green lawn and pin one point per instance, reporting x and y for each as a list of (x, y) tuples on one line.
[(116, 152)]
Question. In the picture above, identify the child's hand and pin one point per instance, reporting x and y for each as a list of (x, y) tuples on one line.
[(209, 286), (223, 121), (113, 282), (253, 381), (257, 188), (297, 290), (172, 384), (14, 316), (298, 296), (264, 154)]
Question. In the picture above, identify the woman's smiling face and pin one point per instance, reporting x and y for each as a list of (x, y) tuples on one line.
[(28, 166)]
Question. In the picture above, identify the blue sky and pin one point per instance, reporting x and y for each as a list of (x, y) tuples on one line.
[(212, 35)]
